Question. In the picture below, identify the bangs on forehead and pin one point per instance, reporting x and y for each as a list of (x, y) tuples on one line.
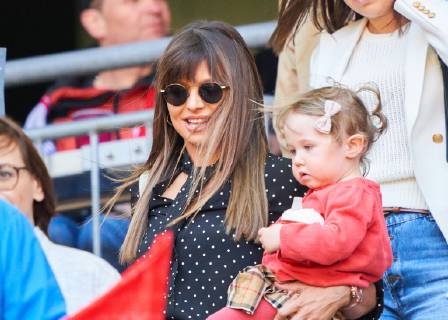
[(8, 140), (183, 64)]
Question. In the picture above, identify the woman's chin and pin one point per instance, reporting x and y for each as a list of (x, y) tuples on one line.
[(196, 142)]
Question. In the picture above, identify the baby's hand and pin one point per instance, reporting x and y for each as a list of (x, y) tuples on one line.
[(270, 238)]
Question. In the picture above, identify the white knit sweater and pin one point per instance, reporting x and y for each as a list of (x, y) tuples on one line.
[(380, 57), (81, 276)]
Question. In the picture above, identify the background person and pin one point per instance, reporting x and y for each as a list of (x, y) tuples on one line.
[(25, 183), (28, 289), (108, 22), (401, 46), (209, 176)]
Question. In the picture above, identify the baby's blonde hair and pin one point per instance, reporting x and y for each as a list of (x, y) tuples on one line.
[(353, 118)]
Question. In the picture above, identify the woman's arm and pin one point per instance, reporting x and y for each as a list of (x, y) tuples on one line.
[(432, 17), (368, 301), (323, 303)]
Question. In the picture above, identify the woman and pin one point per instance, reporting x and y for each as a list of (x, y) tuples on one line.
[(25, 183), (401, 46), (209, 177)]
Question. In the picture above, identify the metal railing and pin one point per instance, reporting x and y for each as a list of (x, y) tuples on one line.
[(93, 127), (88, 61)]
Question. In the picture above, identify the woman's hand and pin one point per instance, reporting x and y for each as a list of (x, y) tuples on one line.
[(322, 303), (365, 306), (312, 302), (270, 238)]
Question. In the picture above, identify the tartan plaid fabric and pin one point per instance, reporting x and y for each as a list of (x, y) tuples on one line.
[(250, 286), (254, 283)]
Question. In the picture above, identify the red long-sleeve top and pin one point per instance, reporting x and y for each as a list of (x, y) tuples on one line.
[(352, 247)]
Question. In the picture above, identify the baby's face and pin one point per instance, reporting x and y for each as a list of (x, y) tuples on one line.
[(317, 158)]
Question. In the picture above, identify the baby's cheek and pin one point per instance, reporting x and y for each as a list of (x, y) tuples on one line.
[(295, 172)]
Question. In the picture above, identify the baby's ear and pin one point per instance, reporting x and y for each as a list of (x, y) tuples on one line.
[(354, 146)]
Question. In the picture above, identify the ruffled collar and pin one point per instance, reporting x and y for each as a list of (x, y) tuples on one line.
[(186, 165)]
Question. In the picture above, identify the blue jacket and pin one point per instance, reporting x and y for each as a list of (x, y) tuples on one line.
[(28, 288)]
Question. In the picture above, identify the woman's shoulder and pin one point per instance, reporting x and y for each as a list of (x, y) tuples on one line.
[(278, 169), (279, 178), (277, 163), (325, 60)]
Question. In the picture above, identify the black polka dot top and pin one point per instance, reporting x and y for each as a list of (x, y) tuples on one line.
[(205, 258)]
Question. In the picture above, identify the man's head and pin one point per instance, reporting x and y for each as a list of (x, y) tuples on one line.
[(112, 22)]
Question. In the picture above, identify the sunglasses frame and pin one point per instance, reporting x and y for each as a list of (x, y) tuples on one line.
[(163, 91)]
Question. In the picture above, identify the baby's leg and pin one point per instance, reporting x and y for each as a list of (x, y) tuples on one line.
[(265, 311)]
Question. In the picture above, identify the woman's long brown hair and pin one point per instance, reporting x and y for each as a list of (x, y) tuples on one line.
[(329, 15), (237, 137)]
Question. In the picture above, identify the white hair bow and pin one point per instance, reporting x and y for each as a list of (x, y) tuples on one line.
[(323, 124)]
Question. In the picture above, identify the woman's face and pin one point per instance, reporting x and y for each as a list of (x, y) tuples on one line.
[(191, 119), (374, 10), (27, 189)]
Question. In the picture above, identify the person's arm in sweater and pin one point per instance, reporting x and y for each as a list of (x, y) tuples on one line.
[(432, 17)]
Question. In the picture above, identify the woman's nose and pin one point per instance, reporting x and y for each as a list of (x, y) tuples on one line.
[(194, 100)]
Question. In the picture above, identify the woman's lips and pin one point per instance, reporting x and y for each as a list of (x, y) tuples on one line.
[(196, 124)]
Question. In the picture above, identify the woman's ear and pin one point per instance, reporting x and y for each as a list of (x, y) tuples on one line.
[(38, 192), (93, 22), (355, 146)]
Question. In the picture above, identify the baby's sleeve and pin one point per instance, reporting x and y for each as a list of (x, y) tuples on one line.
[(348, 214)]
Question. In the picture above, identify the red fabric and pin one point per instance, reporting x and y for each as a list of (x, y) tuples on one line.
[(132, 100), (141, 293), (351, 248), (74, 93)]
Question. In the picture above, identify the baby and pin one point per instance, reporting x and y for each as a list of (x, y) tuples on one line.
[(341, 237)]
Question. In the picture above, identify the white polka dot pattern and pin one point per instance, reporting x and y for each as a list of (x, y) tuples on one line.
[(205, 259)]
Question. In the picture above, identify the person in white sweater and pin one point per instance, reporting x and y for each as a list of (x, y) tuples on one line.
[(26, 184), (401, 46)]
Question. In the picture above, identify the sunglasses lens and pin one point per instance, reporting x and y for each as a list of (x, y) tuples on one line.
[(175, 94), (210, 92)]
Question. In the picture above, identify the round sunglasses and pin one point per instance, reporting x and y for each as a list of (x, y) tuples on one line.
[(177, 94)]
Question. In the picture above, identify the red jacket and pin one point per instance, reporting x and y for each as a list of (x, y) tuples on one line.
[(352, 247), (76, 99)]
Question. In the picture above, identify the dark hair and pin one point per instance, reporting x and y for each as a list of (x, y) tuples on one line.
[(43, 210), (329, 15), (238, 136), (87, 4)]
